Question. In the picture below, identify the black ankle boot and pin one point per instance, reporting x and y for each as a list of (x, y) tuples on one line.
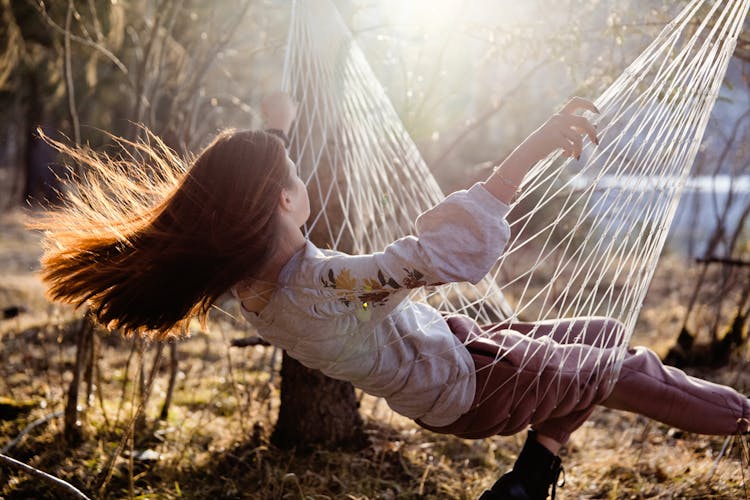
[(535, 470)]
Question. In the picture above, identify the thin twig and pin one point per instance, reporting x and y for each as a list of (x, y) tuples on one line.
[(173, 366), (718, 458), (69, 488), (106, 474), (724, 261), (123, 389), (88, 371), (156, 85), (745, 459), (32, 425), (72, 430), (97, 24), (90, 43), (200, 70), (154, 371), (100, 392), (142, 70), (69, 78), (232, 380)]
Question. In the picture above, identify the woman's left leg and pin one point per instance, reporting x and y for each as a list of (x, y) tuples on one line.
[(643, 385), (566, 367), (595, 331), (522, 380), (526, 376), (668, 395)]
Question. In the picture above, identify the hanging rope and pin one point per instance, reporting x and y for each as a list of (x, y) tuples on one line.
[(590, 243)]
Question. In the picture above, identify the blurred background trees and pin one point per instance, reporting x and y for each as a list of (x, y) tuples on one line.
[(88, 68)]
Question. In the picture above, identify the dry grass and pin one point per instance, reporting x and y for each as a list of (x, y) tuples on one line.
[(215, 441)]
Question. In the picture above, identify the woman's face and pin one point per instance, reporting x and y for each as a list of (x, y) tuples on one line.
[(297, 194)]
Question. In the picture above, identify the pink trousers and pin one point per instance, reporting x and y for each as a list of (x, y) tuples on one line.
[(551, 375)]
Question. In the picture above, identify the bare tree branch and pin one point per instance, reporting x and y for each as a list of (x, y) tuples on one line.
[(205, 64), (89, 43), (156, 87), (142, 71), (29, 428), (69, 86), (721, 260), (173, 368), (48, 478), (97, 24)]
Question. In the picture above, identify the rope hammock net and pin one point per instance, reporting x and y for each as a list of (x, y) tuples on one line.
[(589, 233)]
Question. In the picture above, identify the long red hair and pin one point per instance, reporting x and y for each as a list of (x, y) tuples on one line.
[(149, 240)]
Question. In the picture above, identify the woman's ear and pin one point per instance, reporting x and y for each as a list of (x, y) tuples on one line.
[(285, 201)]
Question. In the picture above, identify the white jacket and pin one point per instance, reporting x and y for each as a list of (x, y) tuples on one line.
[(350, 316)]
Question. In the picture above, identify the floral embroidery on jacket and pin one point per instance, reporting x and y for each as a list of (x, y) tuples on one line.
[(372, 291), (414, 279)]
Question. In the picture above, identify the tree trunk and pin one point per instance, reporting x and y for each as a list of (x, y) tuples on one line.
[(316, 410)]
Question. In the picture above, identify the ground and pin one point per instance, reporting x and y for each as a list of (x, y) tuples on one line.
[(214, 442)]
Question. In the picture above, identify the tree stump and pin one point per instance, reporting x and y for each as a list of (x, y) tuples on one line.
[(316, 410)]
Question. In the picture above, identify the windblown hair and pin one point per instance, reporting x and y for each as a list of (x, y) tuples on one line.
[(149, 240)]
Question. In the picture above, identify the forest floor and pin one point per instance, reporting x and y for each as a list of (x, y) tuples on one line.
[(214, 442)]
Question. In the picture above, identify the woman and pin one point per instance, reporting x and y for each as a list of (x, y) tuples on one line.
[(232, 222)]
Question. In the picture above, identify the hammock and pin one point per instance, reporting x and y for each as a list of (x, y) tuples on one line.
[(587, 235)]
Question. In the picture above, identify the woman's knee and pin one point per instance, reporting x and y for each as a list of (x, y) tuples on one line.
[(602, 331), (599, 331)]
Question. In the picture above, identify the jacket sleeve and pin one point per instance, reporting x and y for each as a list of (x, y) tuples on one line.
[(459, 239)]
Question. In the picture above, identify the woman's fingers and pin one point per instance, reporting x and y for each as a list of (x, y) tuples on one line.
[(578, 124), (577, 103), (565, 131), (574, 143), (583, 125), (574, 124)]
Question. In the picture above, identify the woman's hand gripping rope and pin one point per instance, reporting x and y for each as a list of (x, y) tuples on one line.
[(563, 130)]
